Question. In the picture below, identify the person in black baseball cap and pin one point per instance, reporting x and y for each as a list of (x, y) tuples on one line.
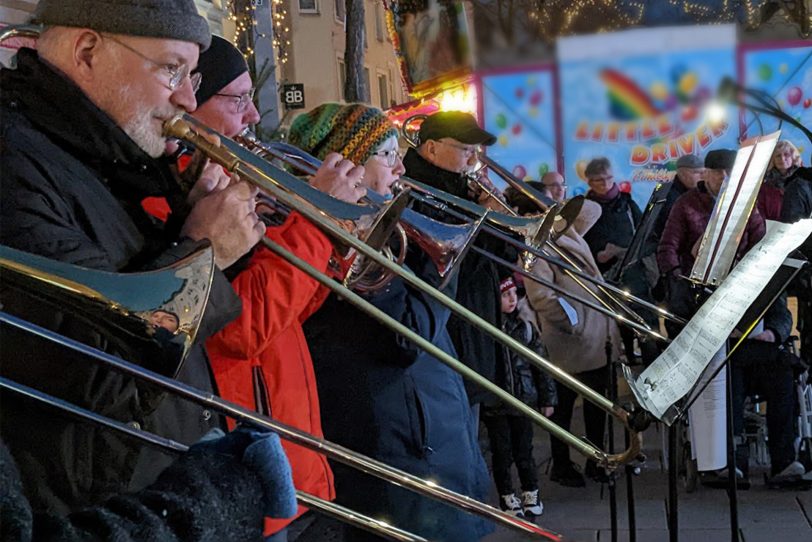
[(718, 165), (451, 140)]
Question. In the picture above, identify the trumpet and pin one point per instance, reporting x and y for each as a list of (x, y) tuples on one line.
[(269, 178)]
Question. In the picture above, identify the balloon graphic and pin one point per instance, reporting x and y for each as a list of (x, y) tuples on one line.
[(536, 97), (520, 172), (687, 84), (765, 72), (533, 112), (794, 96), (783, 68), (677, 72), (503, 140), (626, 187), (501, 121), (658, 91), (580, 169), (543, 169), (517, 129), (807, 103)]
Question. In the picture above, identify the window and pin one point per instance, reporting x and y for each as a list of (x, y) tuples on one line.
[(341, 13), (383, 91), (366, 82), (308, 6), (342, 78), (379, 22)]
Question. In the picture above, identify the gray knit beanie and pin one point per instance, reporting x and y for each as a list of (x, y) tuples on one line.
[(168, 19)]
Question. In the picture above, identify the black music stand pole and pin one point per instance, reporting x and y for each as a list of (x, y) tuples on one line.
[(610, 426), (629, 489), (732, 489), (673, 465)]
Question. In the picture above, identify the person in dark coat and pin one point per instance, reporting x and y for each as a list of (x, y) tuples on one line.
[(612, 234), (449, 143), (685, 227), (510, 432), (380, 395), (80, 122), (218, 490)]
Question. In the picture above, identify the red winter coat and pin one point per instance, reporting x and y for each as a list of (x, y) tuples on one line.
[(686, 224), (265, 349), (769, 202)]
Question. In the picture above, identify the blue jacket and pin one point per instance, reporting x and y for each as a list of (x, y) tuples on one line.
[(383, 397)]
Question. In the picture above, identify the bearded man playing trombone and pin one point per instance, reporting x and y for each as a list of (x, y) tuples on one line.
[(82, 120)]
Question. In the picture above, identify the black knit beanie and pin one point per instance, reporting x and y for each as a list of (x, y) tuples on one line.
[(220, 64), (168, 19)]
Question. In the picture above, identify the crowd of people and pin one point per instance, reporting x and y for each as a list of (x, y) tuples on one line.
[(89, 179)]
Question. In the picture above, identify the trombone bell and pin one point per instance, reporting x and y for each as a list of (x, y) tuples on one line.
[(150, 317)]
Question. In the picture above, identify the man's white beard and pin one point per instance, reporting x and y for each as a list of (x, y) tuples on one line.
[(140, 127)]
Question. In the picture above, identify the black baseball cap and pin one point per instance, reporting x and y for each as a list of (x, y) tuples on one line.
[(720, 159), (456, 125)]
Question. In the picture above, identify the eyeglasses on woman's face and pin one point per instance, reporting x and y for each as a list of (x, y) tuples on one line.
[(390, 157)]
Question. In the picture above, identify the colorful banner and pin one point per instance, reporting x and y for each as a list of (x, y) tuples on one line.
[(518, 108), (640, 98), (784, 72)]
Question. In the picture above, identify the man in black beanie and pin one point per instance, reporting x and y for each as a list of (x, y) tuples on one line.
[(225, 97), (81, 121)]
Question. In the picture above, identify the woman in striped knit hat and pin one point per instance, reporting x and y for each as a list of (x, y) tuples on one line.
[(379, 394)]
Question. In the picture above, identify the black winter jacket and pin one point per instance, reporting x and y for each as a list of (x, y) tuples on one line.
[(478, 288), (517, 376), (619, 218), (72, 184), (797, 202), (202, 496)]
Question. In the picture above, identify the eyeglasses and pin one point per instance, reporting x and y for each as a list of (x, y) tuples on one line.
[(390, 157), (177, 73), (242, 99), (469, 150)]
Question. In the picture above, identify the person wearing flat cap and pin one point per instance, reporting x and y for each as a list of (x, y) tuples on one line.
[(686, 225), (449, 142), (82, 119)]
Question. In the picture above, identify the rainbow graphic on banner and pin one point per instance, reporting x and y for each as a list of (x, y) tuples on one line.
[(627, 101)]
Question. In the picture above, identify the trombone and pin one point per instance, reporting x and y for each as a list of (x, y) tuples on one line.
[(242, 415), (270, 178), (611, 302), (547, 227)]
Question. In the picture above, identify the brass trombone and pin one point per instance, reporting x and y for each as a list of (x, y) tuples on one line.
[(270, 178), (613, 299), (242, 415), (548, 226)]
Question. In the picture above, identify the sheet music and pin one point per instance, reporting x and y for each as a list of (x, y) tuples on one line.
[(707, 419), (676, 371), (734, 204)]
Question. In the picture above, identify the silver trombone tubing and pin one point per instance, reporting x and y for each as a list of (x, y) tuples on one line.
[(430, 196), (264, 174), (544, 203), (309, 164), (322, 446), (305, 499)]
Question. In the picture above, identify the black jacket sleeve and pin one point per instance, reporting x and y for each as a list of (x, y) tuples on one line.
[(545, 384), (202, 496)]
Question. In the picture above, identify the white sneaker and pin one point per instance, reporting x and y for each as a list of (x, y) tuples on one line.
[(510, 504), (531, 504), (792, 471)]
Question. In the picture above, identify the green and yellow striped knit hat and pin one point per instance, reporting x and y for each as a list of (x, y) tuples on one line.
[(353, 130)]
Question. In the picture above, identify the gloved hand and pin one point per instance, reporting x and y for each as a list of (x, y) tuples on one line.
[(262, 452)]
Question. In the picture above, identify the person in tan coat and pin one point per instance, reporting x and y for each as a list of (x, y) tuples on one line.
[(576, 337)]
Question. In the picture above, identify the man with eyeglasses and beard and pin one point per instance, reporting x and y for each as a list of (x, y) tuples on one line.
[(449, 145), (82, 136)]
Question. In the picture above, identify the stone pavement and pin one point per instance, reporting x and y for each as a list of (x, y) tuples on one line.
[(582, 514)]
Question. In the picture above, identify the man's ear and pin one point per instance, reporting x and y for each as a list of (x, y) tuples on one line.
[(85, 54)]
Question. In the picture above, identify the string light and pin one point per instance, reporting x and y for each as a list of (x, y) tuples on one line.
[(245, 19)]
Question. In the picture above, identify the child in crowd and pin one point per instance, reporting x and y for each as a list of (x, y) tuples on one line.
[(511, 433)]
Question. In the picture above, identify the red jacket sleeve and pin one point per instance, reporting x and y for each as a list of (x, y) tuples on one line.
[(668, 251), (274, 293)]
